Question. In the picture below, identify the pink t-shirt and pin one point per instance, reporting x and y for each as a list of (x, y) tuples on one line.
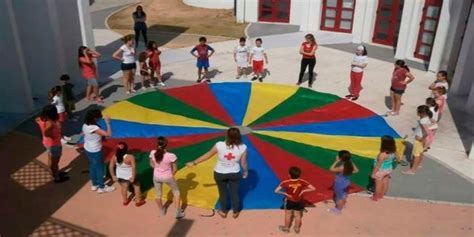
[(164, 169), (399, 76)]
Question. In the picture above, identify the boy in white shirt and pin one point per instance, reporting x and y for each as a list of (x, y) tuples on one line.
[(241, 57), (256, 58)]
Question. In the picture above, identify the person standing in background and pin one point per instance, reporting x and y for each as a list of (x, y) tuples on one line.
[(139, 18)]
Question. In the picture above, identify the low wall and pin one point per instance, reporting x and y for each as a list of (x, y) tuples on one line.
[(213, 4)]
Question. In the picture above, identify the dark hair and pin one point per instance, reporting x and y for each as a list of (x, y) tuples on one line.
[(259, 40), (161, 145), (54, 91), (423, 109), (49, 112), (150, 45), (402, 64), (127, 38), (135, 13), (142, 57), (441, 90), (364, 52), (388, 144), (80, 53), (432, 103), (92, 116), (443, 74), (294, 172), (242, 39), (202, 39), (311, 38), (121, 152), (345, 157), (64, 77), (233, 137)]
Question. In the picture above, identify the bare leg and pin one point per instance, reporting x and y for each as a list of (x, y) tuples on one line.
[(88, 92), (96, 91), (199, 73), (124, 191), (378, 189), (416, 162), (177, 203), (125, 81), (298, 220), (385, 184), (138, 192), (341, 203), (206, 73), (398, 99), (152, 78), (288, 218), (131, 79), (392, 101)]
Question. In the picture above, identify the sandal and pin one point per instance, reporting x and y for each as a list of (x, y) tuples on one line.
[(127, 202), (284, 229), (235, 215), (222, 214), (297, 230), (408, 172), (140, 203)]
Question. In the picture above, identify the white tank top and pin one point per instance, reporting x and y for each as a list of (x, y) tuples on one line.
[(228, 159), (123, 171)]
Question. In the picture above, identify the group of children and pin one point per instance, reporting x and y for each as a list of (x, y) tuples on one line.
[(429, 115)]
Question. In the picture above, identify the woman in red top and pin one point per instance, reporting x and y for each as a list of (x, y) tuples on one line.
[(86, 58), (308, 50), (399, 84), (155, 64), (50, 127)]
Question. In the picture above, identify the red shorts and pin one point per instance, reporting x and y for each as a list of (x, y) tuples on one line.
[(257, 66), (62, 117)]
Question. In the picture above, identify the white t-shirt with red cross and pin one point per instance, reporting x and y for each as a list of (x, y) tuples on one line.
[(228, 158)]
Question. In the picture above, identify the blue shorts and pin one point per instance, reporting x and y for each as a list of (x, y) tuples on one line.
[(202, 63), (55, 151), (340, 189), (92, 82)]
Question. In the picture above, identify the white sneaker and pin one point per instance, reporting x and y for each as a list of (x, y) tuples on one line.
[(106, 189), (128, 92), (67, 138), (180, 215), (63, 141), (94, 188), (133, 91), (161, 84), (144, 88)]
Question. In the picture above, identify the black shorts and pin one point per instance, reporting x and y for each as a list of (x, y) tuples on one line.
[(397, 91), (295, 206), (128, 66), (144, 73), (120, 180)]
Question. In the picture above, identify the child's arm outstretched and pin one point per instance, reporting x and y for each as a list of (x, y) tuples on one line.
[(204, 157)]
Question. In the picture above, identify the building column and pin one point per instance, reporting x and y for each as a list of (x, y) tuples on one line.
[(369, 20), (311, 15), (240, 11), (439, 46), (409, 27), (358, 24), (85, 21)]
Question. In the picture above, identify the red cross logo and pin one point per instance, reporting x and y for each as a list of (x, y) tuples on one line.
[(229, 156)]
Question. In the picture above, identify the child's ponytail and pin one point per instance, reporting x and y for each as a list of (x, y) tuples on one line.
[(161, 149), (348, 167)]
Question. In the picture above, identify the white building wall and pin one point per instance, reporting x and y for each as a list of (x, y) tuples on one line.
[(42, 41), (15, 92), (212, 4), (408, 33), (439, 47), (297, 12), (369, 20), (251, 10), (358, 24)]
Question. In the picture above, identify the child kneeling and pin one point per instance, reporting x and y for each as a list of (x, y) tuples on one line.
[(125, 173), (293, 203)]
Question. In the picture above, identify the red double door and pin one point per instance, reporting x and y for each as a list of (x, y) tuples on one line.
[(387, 23), (274, 10)]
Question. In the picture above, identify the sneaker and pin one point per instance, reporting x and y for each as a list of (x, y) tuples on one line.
[(133, 91), (61, 179), (254, 78), (310, 85), (298, 83), (128, 92), (94, 188), (237, 77), (354, 98), (199, 80), (63, 141), (106, 189), (67, 138), (208, 80), (284, 229), (349, 96), (180, 215), (162, 212), (161, 84), (140, 203), (152, 86), (334, 211), (260, 79), (144, 88)]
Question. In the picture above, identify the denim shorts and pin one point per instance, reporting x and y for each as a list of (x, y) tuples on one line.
[(55, 151), (92, 82)]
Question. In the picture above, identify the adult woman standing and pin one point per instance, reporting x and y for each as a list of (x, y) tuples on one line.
[(399, 84), (86, 58), (139, 18), (126, 54), (50, 127), (308, 50), (227, 175), (93, 146)]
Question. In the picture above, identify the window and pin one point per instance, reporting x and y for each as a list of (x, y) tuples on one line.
[(274, 10), (338, 15), (427, 32)]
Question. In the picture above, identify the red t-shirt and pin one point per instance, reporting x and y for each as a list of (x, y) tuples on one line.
[(293, 187), (55, 140), (399, 76), (307, 48), (88, 68), (154, 57)]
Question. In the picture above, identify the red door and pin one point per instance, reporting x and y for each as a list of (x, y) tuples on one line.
[(274, 10), (387, 23), (428, 26), (338, 15)]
